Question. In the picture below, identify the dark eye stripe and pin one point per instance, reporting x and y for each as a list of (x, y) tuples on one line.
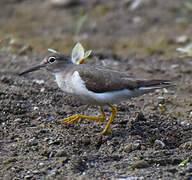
[(51, 59)]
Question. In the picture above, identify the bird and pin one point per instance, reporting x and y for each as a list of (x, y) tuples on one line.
[(95, 85)]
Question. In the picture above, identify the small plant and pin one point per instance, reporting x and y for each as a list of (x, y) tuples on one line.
[(187, 50), (78, 54), (80, 21), (183, 163)]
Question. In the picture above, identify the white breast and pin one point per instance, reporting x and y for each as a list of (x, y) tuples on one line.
[(71, 84)]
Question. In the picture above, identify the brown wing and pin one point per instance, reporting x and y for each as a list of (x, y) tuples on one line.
[(99, 79)]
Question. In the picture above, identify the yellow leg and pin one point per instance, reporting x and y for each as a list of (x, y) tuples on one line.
[(102, 118), (114, 111), (102, 113), (78, 116)]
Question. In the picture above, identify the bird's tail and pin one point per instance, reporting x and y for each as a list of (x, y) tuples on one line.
[(150, 85)]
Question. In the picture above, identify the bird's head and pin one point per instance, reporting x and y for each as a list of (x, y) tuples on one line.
[(53, 63)]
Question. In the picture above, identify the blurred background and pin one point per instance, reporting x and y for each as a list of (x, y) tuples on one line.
[(142, 27)]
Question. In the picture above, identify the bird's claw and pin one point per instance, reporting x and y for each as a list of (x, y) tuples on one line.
[(70, 119)]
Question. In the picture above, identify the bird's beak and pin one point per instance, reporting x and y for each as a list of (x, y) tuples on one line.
[(35, 68)]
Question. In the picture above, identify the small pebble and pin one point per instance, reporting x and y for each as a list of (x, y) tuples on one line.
[(135, 4), (160, 97), (165, 90), (175, 66), (46, 139), (61, 154), (133, 146), (51, 154), (77, 164), (42, 90), (159, 144), (39, 81), (4, 79), (36, 171), (10, 160), (28, 176), (41, 164), (140, 164), (190, 115), (53, 172), (18, 120), (35, 108), (32, 142)]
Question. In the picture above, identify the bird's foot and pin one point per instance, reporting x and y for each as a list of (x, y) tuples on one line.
[(75, 117), (104, 132), (70, 119)]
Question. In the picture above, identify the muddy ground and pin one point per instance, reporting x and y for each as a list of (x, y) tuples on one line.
[(150, 136)]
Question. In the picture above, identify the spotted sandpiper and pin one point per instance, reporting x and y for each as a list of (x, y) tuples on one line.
[(95, 85)]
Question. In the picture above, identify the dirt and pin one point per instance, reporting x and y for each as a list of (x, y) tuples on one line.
[(151, 135)]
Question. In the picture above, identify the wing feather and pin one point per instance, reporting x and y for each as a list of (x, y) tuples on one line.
[(99, 79)]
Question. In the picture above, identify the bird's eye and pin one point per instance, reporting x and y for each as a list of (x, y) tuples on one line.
[(51, 60)]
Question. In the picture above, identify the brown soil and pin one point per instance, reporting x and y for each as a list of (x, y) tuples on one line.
[(150, 136)]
